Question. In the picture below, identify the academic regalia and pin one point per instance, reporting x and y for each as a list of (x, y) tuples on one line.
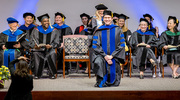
[(108, 40), (127, 33), (21, 87), (79, 29), (10, 54), (27, 30), (142, 53), (62, 31), (170, 38), (44, 56), (94, 22)]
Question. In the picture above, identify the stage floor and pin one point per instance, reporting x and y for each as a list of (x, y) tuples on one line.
[(81, 82)]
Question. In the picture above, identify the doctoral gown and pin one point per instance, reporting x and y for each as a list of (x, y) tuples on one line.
[(108, 40), (44, 56), (141, 54), (10, 54), (27, 30), (170, 38), (62, 31)]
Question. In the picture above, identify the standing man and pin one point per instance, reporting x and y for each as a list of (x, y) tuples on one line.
[(85, 19), (44, 40), (109, 52)]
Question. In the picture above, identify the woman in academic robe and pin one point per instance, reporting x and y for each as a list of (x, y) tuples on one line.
[(12, 42), (97, 19), (21, 82), (141, 41), (171, 37), (121, 23)]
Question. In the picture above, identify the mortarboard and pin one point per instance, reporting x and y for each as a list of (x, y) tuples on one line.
[(148, 15), (40, 18), (84, 14), (122, 16), (100, 7)]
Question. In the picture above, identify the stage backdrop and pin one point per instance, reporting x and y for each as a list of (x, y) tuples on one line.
[(159, 9)]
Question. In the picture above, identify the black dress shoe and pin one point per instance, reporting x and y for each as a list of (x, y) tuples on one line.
[(141, 77), (96, 85)]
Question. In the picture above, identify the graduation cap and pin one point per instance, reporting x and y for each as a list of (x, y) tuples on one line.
[(84, 14), (174, 18), (115, 14), (40, 18), (122, 16), (11, 20), (101, 7), (108, 12), (145, 20), (148, 15), (60, 14), (28, 14)]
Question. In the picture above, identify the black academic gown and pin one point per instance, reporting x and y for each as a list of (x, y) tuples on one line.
[(170, 54), (79, 29), (10, 54), (126, 36), (44, 56), (142, 53), (27, 30), (20, 87), (108, 40), (62, 31)]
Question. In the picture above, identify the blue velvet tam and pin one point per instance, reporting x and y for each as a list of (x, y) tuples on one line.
[(11, 20)]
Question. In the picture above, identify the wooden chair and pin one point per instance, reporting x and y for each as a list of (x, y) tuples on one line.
[(130, 62), (127, 62), (161, 64), (76, 50)]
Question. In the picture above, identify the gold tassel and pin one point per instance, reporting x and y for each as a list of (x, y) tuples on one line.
[(126, 22), (111, 14), (177, 21), (63, 19), (149, 27)]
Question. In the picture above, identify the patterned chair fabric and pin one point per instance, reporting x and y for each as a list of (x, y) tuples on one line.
[(76, 45), (77, 57)]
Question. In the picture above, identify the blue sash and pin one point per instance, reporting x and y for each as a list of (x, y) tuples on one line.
[(112, 48)]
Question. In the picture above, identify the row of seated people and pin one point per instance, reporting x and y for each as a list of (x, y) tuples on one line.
[(52, 38)]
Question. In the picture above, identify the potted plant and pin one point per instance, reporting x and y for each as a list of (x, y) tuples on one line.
[(4, 75)]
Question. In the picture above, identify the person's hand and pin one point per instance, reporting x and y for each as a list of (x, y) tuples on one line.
[(36, 47), (110, 62), (18, 45), (3, 47), (165, 47), (157, 31), (61, 45), (23, 58), (48, 46), (148, 46), (108, 57)]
